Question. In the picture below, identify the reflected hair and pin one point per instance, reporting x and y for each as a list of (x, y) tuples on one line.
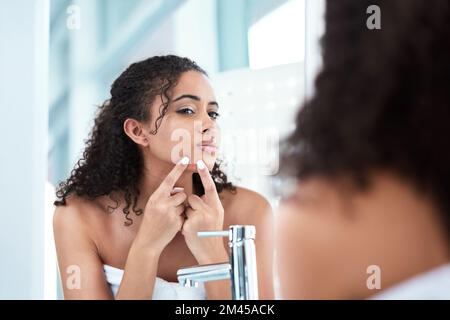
[(382, 99)]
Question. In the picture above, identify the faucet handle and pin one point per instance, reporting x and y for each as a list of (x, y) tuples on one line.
[(204, 234)]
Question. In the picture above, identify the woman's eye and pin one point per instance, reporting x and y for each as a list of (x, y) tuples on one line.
[(185, 111), (214, 114)]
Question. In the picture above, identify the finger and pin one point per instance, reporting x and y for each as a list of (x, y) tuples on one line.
[(168, 183), (208, 183), (179, 210), (180, 222), (195, 202), (177, 199), (189, 212)]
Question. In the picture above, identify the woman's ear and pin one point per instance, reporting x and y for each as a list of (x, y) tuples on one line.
[(134, 129)]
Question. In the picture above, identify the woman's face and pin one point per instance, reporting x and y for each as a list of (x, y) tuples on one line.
[(189, 127)]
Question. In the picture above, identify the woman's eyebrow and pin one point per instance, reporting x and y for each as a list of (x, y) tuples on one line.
[(193, 97), (188, 96)]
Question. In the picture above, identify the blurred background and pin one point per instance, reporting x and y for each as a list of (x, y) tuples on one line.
[(59, 59)]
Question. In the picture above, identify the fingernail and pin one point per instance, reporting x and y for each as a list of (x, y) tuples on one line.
[(184, 160), (200, 165), (176, 190)]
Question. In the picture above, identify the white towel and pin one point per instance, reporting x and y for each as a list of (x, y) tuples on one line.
[(163, 290)]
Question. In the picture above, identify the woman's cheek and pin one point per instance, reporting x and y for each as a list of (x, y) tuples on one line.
[(175, 141)]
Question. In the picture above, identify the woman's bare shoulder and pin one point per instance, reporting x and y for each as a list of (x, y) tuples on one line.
[(79, 213), (244, 206)]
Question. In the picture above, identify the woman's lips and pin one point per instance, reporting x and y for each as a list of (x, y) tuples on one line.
[(209, 148)]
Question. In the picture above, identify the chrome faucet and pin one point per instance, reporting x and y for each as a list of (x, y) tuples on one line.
[(241, 269)]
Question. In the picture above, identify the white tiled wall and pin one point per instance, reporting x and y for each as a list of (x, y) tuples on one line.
[(257, 109)]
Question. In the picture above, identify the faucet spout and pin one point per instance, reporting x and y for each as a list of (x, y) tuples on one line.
[(241, 268)]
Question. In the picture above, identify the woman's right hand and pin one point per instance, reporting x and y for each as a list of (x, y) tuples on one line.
[(163, 214)]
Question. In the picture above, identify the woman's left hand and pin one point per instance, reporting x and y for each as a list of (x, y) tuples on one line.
[(205, 213)]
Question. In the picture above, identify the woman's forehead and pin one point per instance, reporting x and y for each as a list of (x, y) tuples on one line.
[(194, 83)]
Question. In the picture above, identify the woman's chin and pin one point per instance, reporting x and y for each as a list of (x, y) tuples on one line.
[(192, 167)]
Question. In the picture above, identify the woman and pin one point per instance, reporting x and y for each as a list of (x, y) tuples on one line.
[(369, 214), (128, 215)]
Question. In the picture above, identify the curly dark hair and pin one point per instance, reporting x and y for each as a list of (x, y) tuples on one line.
[(382, 98), (111, 161)]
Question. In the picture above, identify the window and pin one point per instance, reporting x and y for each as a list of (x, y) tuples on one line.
[(278, 37)]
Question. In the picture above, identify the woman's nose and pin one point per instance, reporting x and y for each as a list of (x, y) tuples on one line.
[(207, 123)]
